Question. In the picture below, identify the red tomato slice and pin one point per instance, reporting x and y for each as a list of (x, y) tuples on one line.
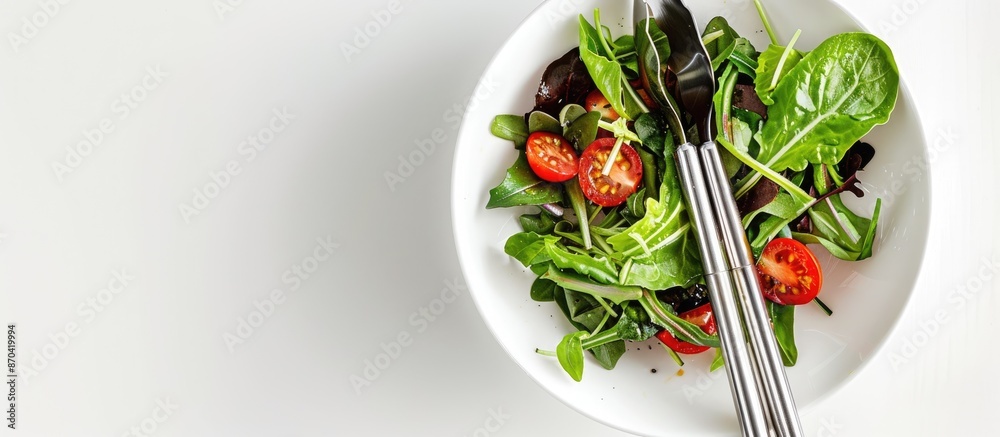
[(597, 102), (624, 179), (551, 157), (789, 272), (701, 317)]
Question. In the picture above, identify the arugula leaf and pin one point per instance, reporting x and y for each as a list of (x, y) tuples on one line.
[(845, 234), (717, 362), (521, 187), (662, 315), (783, 320), (661, 245), (833, 97), (576, 282), (598, 268)]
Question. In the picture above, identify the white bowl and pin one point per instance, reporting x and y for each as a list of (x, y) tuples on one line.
[(868, 297)]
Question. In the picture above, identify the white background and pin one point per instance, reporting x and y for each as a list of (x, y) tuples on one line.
[(322, 177)]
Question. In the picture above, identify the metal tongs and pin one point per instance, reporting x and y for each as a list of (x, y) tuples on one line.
[(753, 363)]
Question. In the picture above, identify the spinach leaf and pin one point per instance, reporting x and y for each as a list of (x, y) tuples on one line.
[(543, 290), (570, 113), (521, 187), (529, 248), (773, 64), (583, 130), (541, 223), (781, 211), (720, 41), (584, 310), (570, 354), (783, 321), (835, 95), (539, 121), (745, 57), (510, 127), (604, 69), (607, 354), (624, 48)]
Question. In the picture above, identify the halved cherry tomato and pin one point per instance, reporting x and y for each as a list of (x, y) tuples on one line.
[(789, 272), (551, 157), (701, 317), (613, 189), (597, 102)]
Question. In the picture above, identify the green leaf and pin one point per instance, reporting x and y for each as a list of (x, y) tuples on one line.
[(543, 290), (541, 223), (510, 127), (722, 43), (781, 211), (839, 229), (661, 245), (718, 362), (768, 75), (570, 354), (539, 121), (585, 310), (606, 72), (529, 248), (653, 49), (663, 315), (634, 324), (576, 282), (521, 187), (570, 113), (869, 241), (583, 130), (606, 354), (833, 97), (744, 57), (783, 321), (598, 268)]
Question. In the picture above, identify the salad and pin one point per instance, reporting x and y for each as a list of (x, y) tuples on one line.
[(607, 234)]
